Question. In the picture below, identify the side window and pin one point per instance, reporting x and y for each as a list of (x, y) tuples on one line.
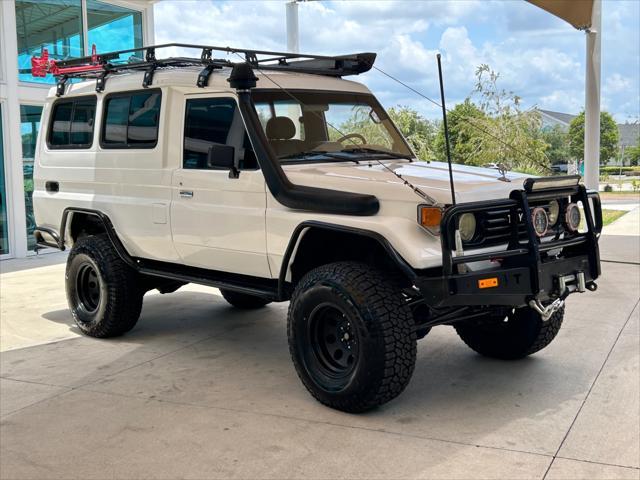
[(210, 121), (131, 121), (72, 123)]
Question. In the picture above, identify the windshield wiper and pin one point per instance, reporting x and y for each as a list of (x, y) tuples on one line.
[(375, 150), (315, 153)]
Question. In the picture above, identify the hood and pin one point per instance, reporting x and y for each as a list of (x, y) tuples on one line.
[(471, 183)]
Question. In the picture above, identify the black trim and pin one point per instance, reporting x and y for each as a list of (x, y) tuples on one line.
[(298, 197), (72, 101), (103, 124), (313, 224)]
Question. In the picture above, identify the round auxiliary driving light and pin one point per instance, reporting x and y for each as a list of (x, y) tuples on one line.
[(573, 217), (540, 221), (554, 212), (467, 226)]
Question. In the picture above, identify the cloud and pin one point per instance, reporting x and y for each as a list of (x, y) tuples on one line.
[(538, 56)]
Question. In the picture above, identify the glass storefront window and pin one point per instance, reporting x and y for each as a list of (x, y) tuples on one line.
[(113, 28), (53, 24), (4, 224), (29, 125)]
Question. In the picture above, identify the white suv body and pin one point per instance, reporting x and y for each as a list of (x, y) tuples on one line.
[(268, 187)]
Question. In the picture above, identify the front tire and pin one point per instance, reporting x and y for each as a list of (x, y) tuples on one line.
[(510, 336), (103, 292), (351, 336)]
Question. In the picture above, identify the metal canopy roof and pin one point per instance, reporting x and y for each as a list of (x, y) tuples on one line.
[(575, 12)]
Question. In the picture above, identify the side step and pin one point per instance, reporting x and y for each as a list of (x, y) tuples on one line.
[(263, 287)]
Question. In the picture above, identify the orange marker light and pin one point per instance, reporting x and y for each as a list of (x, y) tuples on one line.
[(488, 282), (430, 217)]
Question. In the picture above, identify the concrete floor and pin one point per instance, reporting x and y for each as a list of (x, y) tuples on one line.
[(200, 390)]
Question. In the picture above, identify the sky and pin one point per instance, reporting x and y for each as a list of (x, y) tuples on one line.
[(538, 56)]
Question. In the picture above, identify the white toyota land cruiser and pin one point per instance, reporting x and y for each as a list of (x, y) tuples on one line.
[(274, 179)]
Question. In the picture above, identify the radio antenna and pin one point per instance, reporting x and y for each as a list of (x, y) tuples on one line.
[(446, 131)]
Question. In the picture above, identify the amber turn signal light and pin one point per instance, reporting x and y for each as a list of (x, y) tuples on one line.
[(488, 282), (429, 218)]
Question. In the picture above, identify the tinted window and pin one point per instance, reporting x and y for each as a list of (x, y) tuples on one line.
[(72, 123), (132, 121), (214, 121)]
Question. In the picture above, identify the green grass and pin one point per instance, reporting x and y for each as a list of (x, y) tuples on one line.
[(610, 216)]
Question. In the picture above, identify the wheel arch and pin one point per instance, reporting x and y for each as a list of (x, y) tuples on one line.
[(76, 221), (314, 243)]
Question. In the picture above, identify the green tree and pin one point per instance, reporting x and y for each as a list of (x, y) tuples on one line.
[(496, 130), (609, 137), (418, 131), (557, 141), (462, 140)]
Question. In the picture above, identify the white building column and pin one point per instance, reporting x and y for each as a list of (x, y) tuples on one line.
[(14, 176), (592, 100), (293, 42)]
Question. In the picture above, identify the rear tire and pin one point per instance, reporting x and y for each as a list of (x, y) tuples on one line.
[(243, 300), (508, 337), (103, 292), (351, 336)]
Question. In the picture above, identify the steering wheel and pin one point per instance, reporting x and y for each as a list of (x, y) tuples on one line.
[(352, 135)]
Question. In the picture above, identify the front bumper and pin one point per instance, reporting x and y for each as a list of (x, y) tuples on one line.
[(527, 270)]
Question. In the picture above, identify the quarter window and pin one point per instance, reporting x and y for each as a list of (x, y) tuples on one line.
[(131, 121), (72, 123)]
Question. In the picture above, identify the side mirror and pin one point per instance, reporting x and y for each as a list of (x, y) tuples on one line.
[(220, 157)]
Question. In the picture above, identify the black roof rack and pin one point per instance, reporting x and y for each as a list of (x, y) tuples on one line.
[(145, 59)]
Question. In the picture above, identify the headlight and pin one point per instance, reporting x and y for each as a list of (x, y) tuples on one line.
[(467, 226), (554, 212), (573, 217)]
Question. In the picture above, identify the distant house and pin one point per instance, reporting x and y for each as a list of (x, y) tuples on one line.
[(552, 119), (629, 132)]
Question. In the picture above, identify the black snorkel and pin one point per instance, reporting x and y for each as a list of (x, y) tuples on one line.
[(298, 197)]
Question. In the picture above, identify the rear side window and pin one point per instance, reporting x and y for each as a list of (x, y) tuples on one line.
[(72, 123), (131, 120)]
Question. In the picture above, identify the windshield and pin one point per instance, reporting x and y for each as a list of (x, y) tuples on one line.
[(323, 126)]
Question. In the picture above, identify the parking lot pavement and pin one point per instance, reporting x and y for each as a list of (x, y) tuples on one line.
[(200, 390)]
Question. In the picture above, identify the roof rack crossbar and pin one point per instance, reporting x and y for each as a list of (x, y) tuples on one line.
[(97, 66)]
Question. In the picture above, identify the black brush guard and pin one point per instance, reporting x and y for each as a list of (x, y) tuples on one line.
[(524, 271)]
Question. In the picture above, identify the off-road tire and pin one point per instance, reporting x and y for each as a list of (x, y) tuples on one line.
[(243, 300), (97, 277), (383, 335), (523, 334)]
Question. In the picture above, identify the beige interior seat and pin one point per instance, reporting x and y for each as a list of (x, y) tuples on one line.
[(280, 132)]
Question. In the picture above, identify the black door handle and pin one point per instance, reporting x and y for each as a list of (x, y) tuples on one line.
[(52, 187)]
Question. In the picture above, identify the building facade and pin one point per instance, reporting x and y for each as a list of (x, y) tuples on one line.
[(68, 29)]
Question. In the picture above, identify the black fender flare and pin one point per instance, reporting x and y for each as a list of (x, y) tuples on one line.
[(301, 228), (108, 228)]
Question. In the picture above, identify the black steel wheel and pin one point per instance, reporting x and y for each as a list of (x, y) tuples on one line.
[(351, 336), (104, 293), (88, 286), (334, 345)]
